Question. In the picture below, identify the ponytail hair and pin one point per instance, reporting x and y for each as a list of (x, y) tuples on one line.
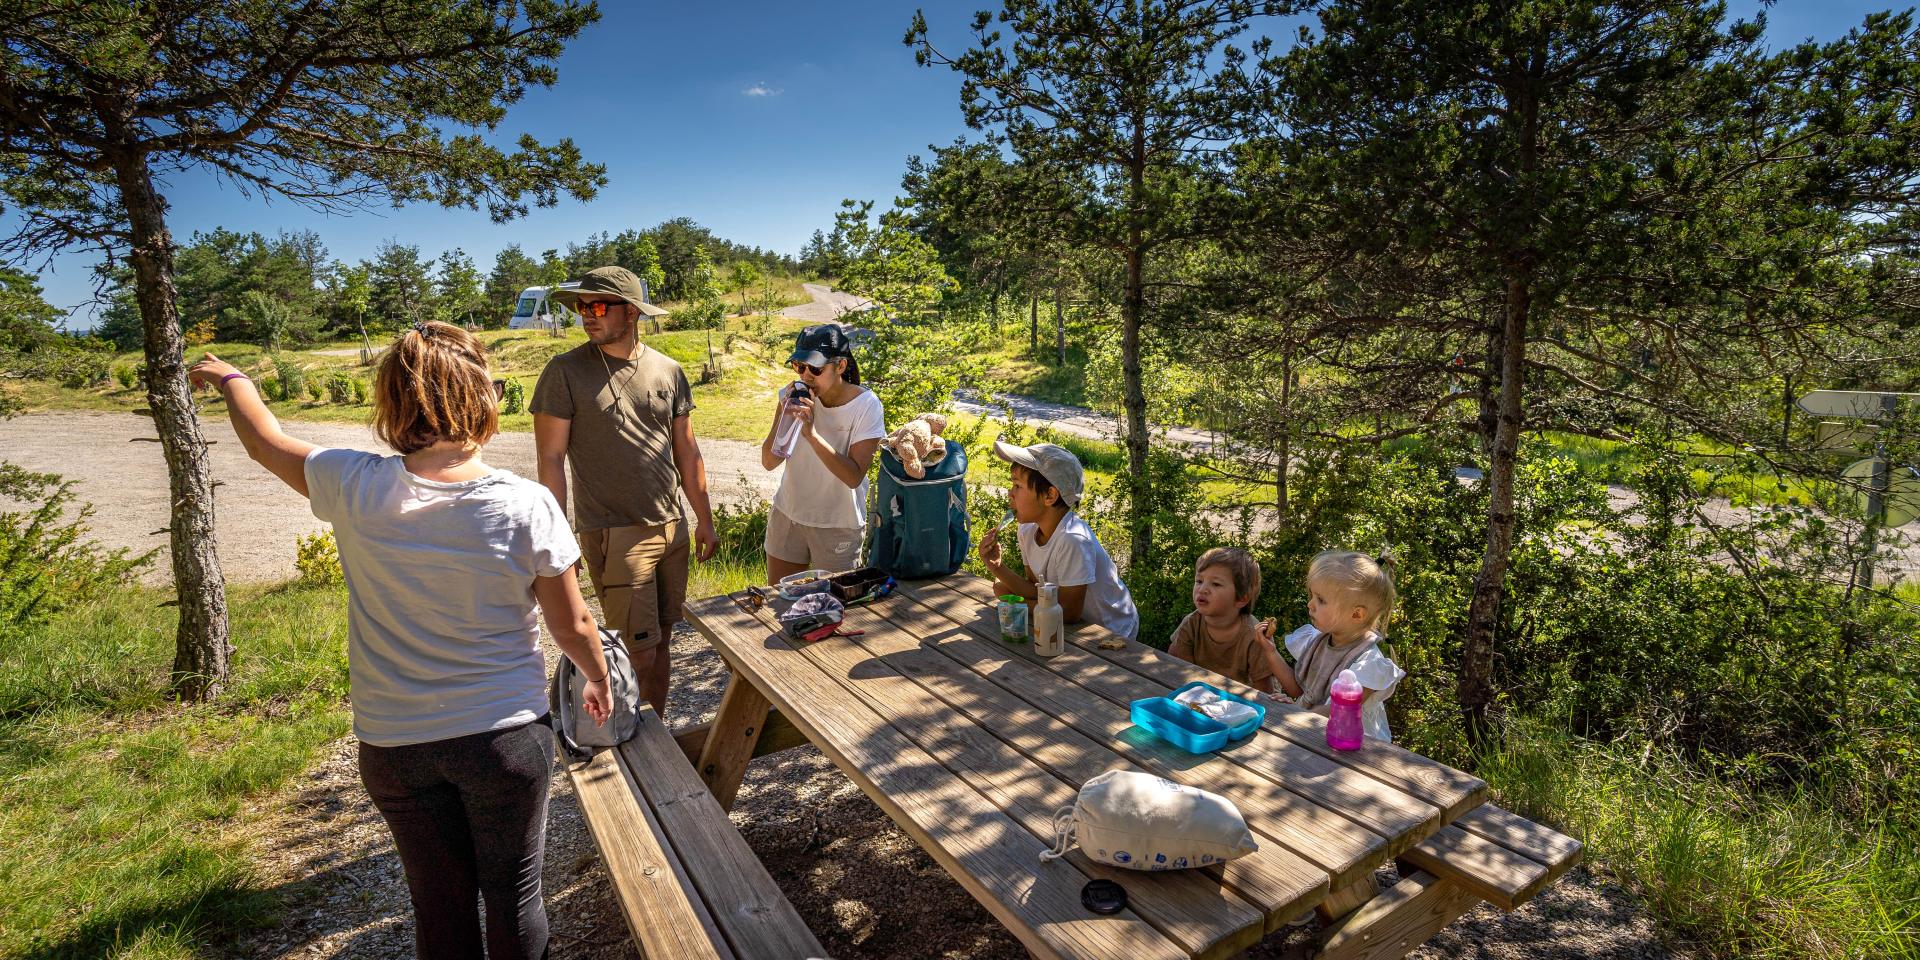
[(1369, 580), (433, 385), (852, 373)]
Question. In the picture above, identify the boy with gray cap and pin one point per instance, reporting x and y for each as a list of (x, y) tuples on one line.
[(1057, 546)]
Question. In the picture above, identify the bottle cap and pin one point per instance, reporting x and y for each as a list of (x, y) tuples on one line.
[(1103, 896), (1346, 685)]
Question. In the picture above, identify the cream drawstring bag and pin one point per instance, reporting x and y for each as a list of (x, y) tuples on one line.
[(1143, 822)]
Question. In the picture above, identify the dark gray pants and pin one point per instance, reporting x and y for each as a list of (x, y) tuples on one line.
[(469, 816)]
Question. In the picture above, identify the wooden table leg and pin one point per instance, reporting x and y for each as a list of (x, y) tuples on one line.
[(1347, 899), (736, 727)]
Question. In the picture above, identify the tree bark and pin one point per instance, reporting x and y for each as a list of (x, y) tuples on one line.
[(1060, 323), (1476, 654), (202, 653), (1132, 305), (1033, 324)]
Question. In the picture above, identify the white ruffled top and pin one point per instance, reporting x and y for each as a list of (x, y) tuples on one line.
[(1374, 671)]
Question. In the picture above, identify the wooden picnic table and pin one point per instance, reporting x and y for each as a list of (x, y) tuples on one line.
[(972, 745)]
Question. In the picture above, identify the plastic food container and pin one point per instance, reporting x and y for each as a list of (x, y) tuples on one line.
[(1189, 729), (805, 582)]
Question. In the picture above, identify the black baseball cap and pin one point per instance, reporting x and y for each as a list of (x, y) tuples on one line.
[(820, 343)]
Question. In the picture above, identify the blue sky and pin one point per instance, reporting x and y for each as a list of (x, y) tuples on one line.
[(753, 118)]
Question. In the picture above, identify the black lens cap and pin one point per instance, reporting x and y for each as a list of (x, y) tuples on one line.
[(1103, 896)]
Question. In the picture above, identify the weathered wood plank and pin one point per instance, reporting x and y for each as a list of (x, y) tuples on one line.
[(1475, 863), (992, 857), (752, 913), (1537, 841), (659, 901), (1453, 791), (1506, 873), (1193, 909), (1394, 923), (1341, 847), (1274, 878), (776, 734), (736, 730)]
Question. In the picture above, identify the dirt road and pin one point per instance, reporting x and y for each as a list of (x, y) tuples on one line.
[(257, 518), (828, 304)]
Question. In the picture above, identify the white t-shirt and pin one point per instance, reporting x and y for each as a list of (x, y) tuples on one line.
[(809, 493), (1073, 557), (442, 637)]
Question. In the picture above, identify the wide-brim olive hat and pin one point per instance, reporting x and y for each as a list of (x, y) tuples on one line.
[(613, 282)]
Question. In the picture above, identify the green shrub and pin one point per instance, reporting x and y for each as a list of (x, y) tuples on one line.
[(126, 375), (292, 377), (46, 562), (359, 391), (318, 559), (340, 389), (514, 400), (316, 391)]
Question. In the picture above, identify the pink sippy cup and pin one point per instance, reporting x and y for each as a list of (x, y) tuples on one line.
[(1343, 712)]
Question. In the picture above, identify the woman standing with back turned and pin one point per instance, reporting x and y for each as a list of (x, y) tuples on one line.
[(446, 559)]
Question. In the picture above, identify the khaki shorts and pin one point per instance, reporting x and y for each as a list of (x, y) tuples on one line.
[(640, 574), (822, 548)]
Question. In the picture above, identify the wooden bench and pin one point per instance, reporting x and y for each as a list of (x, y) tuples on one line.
[(687, 882), (1486, 854)]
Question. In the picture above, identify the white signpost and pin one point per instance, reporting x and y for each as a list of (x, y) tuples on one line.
[(1854, 404), (1892, 491)]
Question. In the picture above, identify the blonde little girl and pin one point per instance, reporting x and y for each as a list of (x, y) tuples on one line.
[(1349, 598)]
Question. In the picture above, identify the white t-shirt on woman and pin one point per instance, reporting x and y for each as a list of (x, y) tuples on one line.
[(442, 636), (809, 493)]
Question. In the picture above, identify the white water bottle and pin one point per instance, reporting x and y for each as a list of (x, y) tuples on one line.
[(1049, 625), (788, 430)]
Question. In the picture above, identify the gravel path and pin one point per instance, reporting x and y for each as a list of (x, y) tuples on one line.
[(828, 304), (257, 519)]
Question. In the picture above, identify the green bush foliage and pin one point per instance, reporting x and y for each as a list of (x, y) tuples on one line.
[(46, 564), (292, 377), (318, 559), (515, 399), (126, 376), (340, 389)]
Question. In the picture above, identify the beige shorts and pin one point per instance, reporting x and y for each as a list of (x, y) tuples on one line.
[(823, 548), (640, 575)]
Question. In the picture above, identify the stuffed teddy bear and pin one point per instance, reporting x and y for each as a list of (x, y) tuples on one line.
[(917, 443)]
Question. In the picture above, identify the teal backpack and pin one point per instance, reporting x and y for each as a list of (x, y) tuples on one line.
[(920, 526)]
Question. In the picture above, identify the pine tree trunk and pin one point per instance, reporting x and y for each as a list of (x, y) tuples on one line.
[(1060, 323), (1476, 654), (201, 651), (1033, 325), (1133, 304)]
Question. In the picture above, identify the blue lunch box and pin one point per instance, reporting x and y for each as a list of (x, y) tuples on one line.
[(1189, 729)]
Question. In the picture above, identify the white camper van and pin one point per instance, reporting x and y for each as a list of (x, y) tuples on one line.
[(537, 310)]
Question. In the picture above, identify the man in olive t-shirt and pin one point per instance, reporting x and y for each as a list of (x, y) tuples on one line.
[(617, 412)]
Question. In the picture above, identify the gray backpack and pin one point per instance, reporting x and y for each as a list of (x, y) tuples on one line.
[(572, 725)]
